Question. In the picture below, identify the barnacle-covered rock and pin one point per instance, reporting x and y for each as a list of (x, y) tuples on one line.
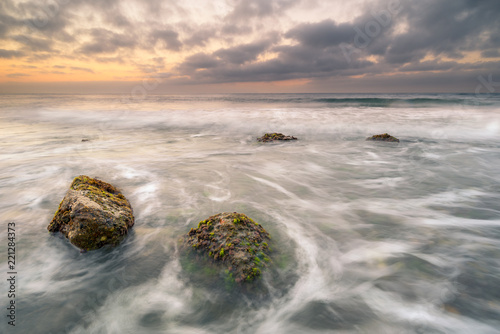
[(93, 214), (275, 136), (383, 137), (234, 241)]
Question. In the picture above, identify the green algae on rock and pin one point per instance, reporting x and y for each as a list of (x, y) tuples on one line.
[(275, 136), (383, 137), (233, 240), (93, 214)]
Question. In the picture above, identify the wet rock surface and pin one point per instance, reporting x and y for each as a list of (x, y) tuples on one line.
[(383, 137), (234, 241), (93, 214), (269, 137)]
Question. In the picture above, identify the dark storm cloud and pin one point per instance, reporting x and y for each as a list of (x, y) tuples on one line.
[(323, 34), (235, 29), (198, 61), (168, 37), (429, 66), (118, 20), (33, 43), (106, 41), (10, 54), (316, 54), (492, 53), (293, 62), (38, 56), (43, 18), (445, 28), (201, 37), (244, 53), (246, 9), (481, 66), (7, 23), (234, 56), (3, 30)]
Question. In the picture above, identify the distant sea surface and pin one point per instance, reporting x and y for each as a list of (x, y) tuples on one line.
[(378, 237)]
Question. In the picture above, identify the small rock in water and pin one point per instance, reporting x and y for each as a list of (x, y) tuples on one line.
[(383, 137), (93, 214), (275, 136), (233, 240)]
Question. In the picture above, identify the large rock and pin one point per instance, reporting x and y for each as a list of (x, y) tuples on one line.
[(275, 136), (233, 240), (93, 214), (383, 137)]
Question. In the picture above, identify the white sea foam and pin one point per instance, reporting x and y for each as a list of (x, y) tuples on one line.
[(398, 238)]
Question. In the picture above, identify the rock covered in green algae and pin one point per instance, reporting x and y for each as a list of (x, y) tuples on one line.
[(383, 137), (275, 136), (93, 214), (233, 240)]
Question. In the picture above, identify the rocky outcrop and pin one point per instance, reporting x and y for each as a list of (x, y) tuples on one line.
[(234, 241), (384, 137), (275, 136), (93, 214)]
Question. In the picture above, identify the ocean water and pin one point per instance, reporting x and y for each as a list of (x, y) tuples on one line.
[(371, 237)]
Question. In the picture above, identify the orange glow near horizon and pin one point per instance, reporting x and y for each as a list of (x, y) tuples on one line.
[(63, 70)]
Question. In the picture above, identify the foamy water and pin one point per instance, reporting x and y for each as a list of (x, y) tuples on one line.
[(374, 238)]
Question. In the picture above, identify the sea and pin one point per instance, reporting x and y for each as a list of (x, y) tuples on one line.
[(369, 237)]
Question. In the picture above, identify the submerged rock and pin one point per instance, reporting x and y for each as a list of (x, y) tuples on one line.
[(93, 214), (233, 240), (275, 136), (383, 137)]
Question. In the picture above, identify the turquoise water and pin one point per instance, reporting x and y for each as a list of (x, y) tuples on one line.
[(377, 238)]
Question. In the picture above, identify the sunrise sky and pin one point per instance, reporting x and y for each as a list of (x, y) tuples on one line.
[(166, 46)]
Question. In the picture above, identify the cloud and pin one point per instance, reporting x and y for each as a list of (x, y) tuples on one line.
[(235, 29), (170, 39), (33, 43), (292, 62), (256, 40), (243, 53), (10, 53), (46, 19), (82, 69), (17, 75), (8, 22), (491, 53), (200, 37), (323, 34), (432, 65), (227, 60), (106, 41), (198, 61), (446, 27), (247, 9), (38, 56), (3, 30), (118, 20)]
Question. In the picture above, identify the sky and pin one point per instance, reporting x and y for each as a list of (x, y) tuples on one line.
[(256, 46)]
